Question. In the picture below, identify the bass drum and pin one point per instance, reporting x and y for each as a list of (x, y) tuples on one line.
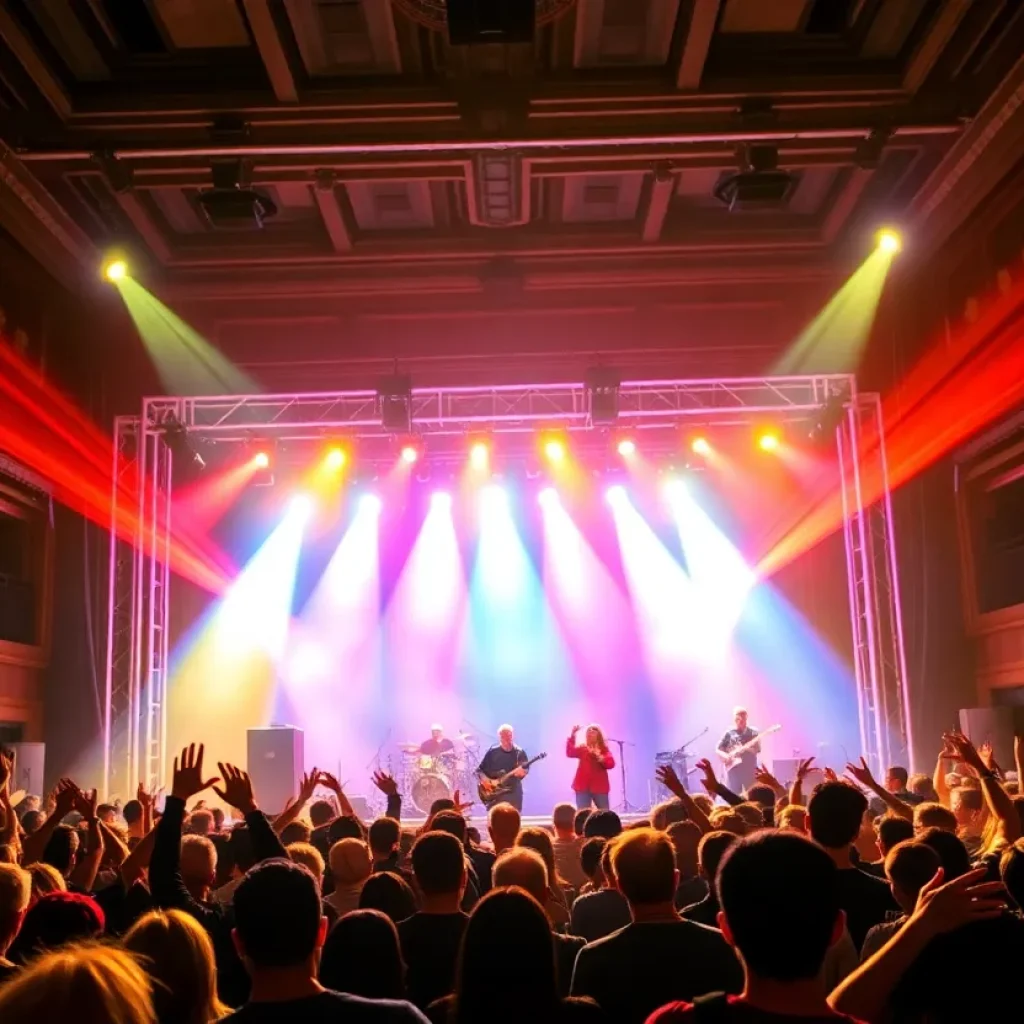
[(428, 787)]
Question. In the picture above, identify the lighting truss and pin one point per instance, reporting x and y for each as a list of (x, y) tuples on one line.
[(135, 724)]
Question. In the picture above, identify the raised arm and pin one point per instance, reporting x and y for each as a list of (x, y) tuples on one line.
[(1000, 803), (344, 806), (1018, 759), (572, 748), (138, 860), (35, 844), (387, 785), (10, 833), (307, 784), (939, 777), (862, 773), (668, 778), (88, 866), (237, 791)]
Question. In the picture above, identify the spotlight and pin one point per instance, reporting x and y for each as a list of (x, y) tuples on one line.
[(479, 455), (409, 453), (261, 460), (615, 495), (889, 240), (548, 497), (115, 270), (768, 441), (370, 503), (700, 446), (188, 462), (554, 449), (627, 447), (441, 501)]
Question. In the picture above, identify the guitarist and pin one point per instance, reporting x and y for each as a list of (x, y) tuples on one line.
[(505, 757), (741, 774)]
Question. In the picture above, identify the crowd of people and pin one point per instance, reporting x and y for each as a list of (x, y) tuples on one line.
[(860, 900)]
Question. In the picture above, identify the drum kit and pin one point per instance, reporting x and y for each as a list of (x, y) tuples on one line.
[(424, 778)]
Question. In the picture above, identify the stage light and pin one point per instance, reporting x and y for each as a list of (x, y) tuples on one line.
[(261, 460), (554, 449), (889, 240), (441, 501), (627, 447), (335, 459), (370, 503), (115, 270), (675, 489), (700, 446), (493, 498), (548, 497), (301, 506), (768, 441), (479, 455), (616, 495), (409, 453)]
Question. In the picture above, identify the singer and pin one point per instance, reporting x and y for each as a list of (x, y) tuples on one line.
[(591, 784)]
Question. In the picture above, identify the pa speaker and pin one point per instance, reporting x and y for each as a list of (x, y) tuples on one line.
[(490, 21), (28, 768), (275, 765)]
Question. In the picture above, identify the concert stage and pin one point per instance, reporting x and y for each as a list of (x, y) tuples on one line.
[(517, 554)]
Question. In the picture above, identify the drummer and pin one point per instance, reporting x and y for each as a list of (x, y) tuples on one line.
[(437, 744)]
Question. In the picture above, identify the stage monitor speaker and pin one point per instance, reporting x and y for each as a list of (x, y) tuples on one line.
[(29, 763), (490, 21), (275, 765), (995, 725)]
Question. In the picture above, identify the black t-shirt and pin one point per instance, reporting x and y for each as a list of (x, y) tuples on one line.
[(733, 738), (866, 900), (703, 912), (570, 1011), (497, 761), (597, 914), (690, 891), (430, 947), (736, 1012), (329, 1008), (633, 971), (435, 747)]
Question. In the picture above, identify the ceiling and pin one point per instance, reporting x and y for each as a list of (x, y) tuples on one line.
[(574, 170)]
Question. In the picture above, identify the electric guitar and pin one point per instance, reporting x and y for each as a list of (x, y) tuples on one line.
[(733, 756), (491, 791)]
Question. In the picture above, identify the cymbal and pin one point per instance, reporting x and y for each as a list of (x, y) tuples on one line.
[(409, 748), (467, 736)]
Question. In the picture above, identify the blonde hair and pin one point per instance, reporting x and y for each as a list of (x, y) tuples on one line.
[(45, 878), (793, 816), (350, 861), (15, 892), (198, 859), (87, 983), (177, 954), (539, 840), (308, 856)]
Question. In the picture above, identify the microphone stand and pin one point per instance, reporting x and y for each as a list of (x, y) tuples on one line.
[(625, 806)]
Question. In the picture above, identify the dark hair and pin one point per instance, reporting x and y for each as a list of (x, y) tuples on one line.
[(473, 834), (347, 826), (784, 878), (953, 855), (451, 822), (54, 920), (362, 957), (277, 913), (910, 865), (580, 820), (836, 811), (105, 809), (239, 848), (1011, 870), (320, 812), (442, 803), (389, 893), (31, 821), (590, 855), (132, 812), (438, 863), (763, 795), (931, 814), (893, 829), (602, 823), (383, 835), (644, 863), (710, 851), (506, 919), (295, 832), (61, 848), (899, 774)]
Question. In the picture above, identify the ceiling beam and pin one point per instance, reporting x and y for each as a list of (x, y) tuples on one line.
[(330, 210), (947, 21), (272, 51), (45, 80), (657, 208), (703, 19)]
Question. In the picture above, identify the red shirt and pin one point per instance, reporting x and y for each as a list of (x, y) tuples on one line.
[(591, 776), (741, 1013)]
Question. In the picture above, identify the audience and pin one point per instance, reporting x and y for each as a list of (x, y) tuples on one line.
[(567, 845), (560, 894), (692, 888), (602, 910), (430, 938), (350, 867), (15, 893), (509, 920), (55, 920), (834, 814), (389, 893), (309, 857), (362, 957), (503, 824), (178, 957), (659, 956), (606, 824), (896, 784), (710, 851)]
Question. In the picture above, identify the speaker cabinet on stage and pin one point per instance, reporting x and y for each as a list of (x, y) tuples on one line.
[(275, 765), (28, 768), (995, 725)]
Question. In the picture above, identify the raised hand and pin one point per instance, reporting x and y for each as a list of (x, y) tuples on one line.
[(804, 768), (459, 805), (710, 780), (575, 729), (765, 778), (668, 778), (830, 775), (308, 784), (943, 908), (237, 789), (986, 755), (64, 799), (86, 802), (187, 779), (387, 785), (331, 783), (6, 769), (965, 751), (862, 773), (145, 799)]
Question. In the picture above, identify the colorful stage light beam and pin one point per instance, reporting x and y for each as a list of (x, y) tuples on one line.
[(409, 454), (548, 496), (335, 459), (835, 340), (768, 440), (371, 503), (441, 501), (261, 460), (186, 363), (700, 446), (480, 456), (205, 502), (115, 270), (889, 241), (626, 447), (555, 450)]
